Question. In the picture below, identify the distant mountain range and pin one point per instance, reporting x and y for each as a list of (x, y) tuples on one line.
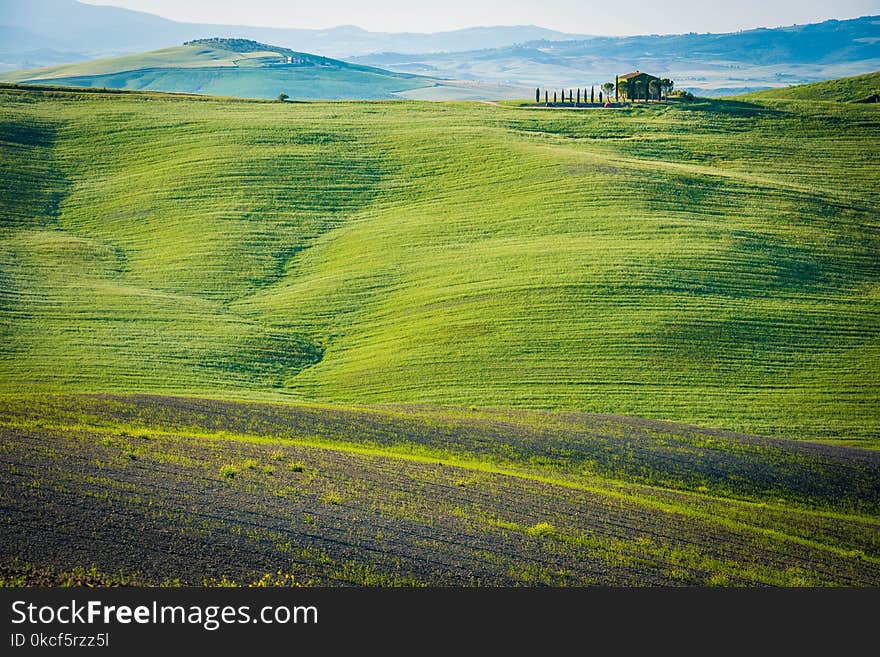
[(36, 33), (43, 32), (244, 68), (705, 63)]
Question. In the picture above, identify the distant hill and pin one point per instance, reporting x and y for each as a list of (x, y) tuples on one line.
[(243, 68), (38, 32), (709, 64), (856, 89)]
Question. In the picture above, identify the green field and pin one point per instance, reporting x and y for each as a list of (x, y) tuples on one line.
[(713, 263), (415, 343)]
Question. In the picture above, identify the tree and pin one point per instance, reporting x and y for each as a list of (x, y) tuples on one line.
[(579, 96), (546, 96), (600, 97), (592, 95), (654, 89), (666, 85), (616, 88), (282, 97), (538, 95), (608, 87), (554, 97)]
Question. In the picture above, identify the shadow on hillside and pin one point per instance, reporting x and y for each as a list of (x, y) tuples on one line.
[(32, 184)]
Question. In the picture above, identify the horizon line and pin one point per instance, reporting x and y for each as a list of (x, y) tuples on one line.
[(476, 27)]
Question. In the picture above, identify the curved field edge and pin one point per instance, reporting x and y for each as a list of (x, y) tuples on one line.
[(319, 495)]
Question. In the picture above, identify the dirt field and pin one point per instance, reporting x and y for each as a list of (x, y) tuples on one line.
[(152, 490)]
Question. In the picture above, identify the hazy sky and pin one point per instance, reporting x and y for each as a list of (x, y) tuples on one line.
[(578, 16)]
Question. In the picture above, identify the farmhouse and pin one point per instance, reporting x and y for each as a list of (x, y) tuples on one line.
[(638, 86)]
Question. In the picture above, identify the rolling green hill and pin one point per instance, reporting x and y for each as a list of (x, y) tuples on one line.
[(847, 90), (714, 262), (229, 67)]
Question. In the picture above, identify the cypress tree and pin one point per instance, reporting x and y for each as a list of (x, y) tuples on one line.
[(546, 97), (538, 95), (554, 97), (600, 97), (616, 88), (592, 95), (579, 96)]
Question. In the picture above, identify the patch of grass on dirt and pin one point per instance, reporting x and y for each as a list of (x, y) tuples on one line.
[(541, 530)]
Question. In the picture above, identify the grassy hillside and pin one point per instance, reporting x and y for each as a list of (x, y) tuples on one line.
[(715, 263), (228, 67), (844, 90)]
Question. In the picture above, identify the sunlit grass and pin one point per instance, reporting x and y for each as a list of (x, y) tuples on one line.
[(713, 263)]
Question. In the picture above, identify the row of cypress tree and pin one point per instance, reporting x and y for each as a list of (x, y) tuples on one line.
[(664, 86), (575, 95)]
